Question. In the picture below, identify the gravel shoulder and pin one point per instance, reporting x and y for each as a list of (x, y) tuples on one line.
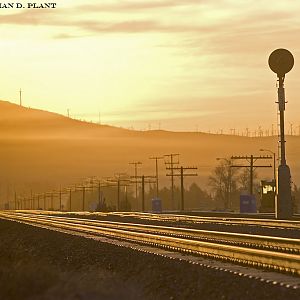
[(36, 263)]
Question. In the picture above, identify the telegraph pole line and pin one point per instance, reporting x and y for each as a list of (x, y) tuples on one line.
[(156, 171), (251, 160), (170, 166), (135, 163), (182, 175)]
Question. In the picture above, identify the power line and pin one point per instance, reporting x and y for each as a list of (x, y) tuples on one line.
[(251, 159)]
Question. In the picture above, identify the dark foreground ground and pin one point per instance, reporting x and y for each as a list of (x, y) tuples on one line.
[(40, 264)]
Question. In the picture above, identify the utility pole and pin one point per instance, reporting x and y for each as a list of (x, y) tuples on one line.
[(291, 128), (20, 93), (70, 199), (120, 180), (15, 200), (135, 163), (97, 184), (59, 193), (251, 160), (45, 195), (170, 165), (52, 207), (182, 175), (145, 179), (156, 171), (247, 132), (83, 188), (38, 201), (31, 200)]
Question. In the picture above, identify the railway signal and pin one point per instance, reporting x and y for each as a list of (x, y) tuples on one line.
[(281, 61)]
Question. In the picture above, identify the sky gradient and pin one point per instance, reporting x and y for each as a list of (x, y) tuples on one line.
[(180, 65)]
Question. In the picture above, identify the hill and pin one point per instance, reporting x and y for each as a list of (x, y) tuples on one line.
[(41, 150)]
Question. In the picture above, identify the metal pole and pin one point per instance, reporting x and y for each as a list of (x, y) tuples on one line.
[(284, 206), (281, 102)]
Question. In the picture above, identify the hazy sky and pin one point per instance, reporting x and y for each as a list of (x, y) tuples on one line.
[(185, 64)]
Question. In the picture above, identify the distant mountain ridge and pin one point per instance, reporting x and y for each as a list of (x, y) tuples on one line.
[(40, 150)]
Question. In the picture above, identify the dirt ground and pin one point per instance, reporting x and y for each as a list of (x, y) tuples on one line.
[(39, 264)]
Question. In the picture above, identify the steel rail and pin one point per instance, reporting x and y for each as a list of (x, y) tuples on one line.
[(217, 220), (288, 245), (281, 224), (260, 258)]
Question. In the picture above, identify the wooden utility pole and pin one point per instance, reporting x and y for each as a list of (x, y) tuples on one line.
[(145, 179), (251, 160), (156, 171), (120, 180), (170, 165), (135, 163), (181, 174)]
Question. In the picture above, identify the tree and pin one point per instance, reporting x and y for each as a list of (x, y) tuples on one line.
[(224, 182)]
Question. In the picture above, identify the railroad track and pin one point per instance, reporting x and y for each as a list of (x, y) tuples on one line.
[(228, 221), (280, 254)]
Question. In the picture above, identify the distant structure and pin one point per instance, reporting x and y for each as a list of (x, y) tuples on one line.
[(20, 93)]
